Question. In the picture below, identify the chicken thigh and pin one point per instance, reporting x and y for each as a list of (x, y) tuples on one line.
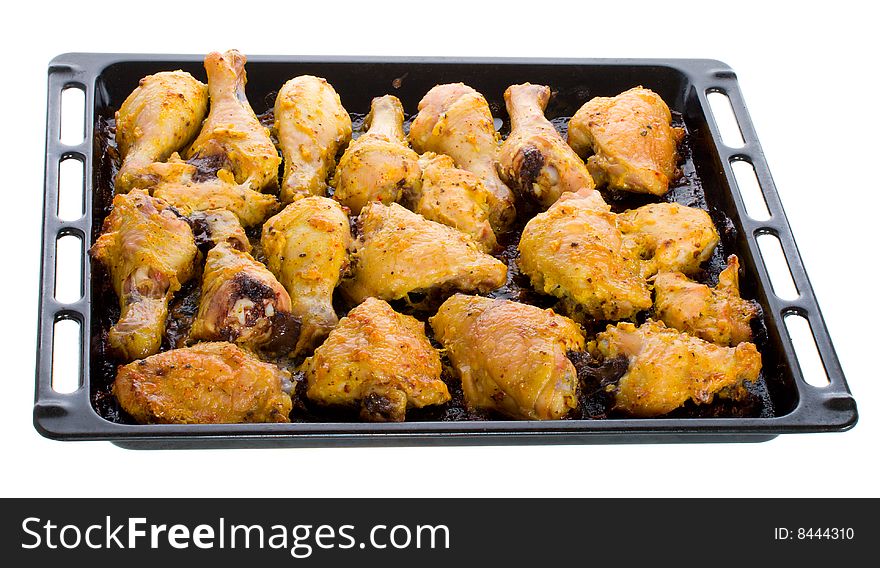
[(399, 252), (232, 133), (179, 184), (715, 314), (668, 368), (379, 165), (149, 252), (158, 118), (535, 161), (306, 247), (455, 120), (242, 302), (576, 252), (208, 383), (669, 236), (629, 139), (511, 357), (312, 126), (454, 197), (379, 360)]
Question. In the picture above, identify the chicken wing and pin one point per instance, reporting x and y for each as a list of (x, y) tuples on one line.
[(455, 120), (312, 126), (378, 359), (668, 368), (179, 184), (208, 383), (715, 314), (631, 139), (535, 160), (242, 302), (511, 357), (379, 165), (159, 117), (149, 252), (232, 133), (454, 197), (306, 247), (399, 252), (671, 237), (575, 251), (219, 226)]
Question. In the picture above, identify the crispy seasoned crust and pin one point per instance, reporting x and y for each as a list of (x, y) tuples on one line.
[(209, 383)]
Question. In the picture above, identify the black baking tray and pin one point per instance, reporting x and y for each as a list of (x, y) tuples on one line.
[(792, 405)]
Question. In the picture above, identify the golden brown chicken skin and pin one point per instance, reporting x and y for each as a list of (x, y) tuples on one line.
[(454, 197), (671, 237), (511, 357), (311, 126), (161, 116), (668, 368), (232, 132), (219, 226), (179, 184), (242, 302), (379, 360), (149, 252), (455, 120), (535, 161), (718, 315), (399, 252), (379, 165), (576, 252), (628, 141), (306, 247), (208, 383)]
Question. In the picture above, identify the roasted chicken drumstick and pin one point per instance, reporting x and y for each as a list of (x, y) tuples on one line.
[(232, 134), (455, 120), (306, 247), (242, 302), (149, 252), (219, 226), (158, 118), (535, 161), (312, 126), (379, 165)]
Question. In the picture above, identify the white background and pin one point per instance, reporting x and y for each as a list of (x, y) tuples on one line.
[(809, 77)]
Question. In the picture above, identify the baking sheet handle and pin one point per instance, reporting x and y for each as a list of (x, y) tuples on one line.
[(833, 405), (56, 413)]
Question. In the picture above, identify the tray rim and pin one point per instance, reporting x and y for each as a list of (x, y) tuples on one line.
[(72, 416)]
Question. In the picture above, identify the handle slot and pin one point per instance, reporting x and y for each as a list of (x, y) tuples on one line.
[(66, 353), (73, 115), (749, 188), (807, 352), (776, 263), (68, 268), (725, 119), (71, 188)]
